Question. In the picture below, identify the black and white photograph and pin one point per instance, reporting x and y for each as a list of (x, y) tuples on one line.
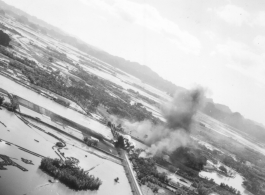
[(132, 97)]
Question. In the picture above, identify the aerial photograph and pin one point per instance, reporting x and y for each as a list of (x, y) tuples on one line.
[(132, 97)]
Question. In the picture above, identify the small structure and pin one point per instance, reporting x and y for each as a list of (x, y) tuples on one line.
[(62, 101), (116, 179), (128, 143), (91, 141), (60, 144)]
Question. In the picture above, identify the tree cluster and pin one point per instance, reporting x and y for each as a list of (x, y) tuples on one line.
[(69, 174), (4, 39), (189, 157), (230, 189), (147, 172), (17, 61), (254, 178), (1, 100)]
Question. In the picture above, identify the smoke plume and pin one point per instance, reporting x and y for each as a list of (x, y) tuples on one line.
[(175, 131), (179, 113)]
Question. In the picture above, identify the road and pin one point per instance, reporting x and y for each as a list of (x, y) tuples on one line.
[(130, 174)]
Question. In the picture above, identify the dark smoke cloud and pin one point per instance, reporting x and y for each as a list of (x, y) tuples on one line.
[(175, 132), (179, 113)]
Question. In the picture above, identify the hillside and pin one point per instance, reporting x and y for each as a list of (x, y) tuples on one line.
[(235, 119)]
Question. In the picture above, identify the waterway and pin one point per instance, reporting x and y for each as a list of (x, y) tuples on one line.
[(17, 89), (35, 182)]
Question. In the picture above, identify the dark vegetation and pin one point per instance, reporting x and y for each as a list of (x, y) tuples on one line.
[(253, 173), (4, 39), (229, 188), (255, 179), (187, 163), (118, 106), (69, 174), (88, 91), (222, 168), (1, 100), (147, 174), (59, 55), (146, 170), (17, 61), (190, 157)]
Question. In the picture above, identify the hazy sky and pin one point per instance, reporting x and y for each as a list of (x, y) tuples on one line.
[(217, 44)]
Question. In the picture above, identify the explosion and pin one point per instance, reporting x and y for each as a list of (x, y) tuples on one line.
[(175, 132)]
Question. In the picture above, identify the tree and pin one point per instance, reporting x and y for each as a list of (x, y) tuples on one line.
[(203, 191), (109, 124), (120, 142), (1, 100), (222, 168), (4, 39)]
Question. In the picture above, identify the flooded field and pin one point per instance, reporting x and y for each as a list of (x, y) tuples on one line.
[(236, 181), (44, 102), (229, 132), (39, 47), (36, 182)]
